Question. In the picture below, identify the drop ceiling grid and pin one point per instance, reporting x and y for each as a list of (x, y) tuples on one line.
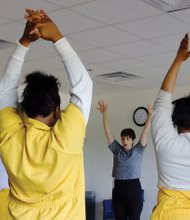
[(108, 35)]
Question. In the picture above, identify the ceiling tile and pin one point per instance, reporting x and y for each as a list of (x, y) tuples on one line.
[(78, 45), (11, 31), (104, 36), (142, 83), (159, 59), (183, 15), (96, 69), (71, 22), (44, 46), (45, 61), (183, 81), (112, 11), (155, 26), (171, 41), (137, 49), (98, 56), (152, 72), (4, 20), (108, 36), (68, 3), (185, 67), (12, 10), (126, 64)]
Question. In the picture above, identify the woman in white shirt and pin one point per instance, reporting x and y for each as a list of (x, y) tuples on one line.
[(171, 137)]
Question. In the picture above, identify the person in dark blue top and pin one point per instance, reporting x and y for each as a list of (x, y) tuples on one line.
[(127, 159)]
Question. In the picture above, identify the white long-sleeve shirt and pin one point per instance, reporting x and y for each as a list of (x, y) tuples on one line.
[(81, 83), (172, 149)]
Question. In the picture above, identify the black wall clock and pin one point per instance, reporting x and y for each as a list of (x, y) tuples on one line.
[(140, 116)]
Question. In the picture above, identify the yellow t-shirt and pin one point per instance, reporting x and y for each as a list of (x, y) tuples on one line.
[(172, 205), (44, 165), (4, 194)]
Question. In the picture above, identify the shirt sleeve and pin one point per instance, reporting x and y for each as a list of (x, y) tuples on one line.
[(139, 146), (115, 147), (11, 76), (81, 83), (162, 127), (11, 122)]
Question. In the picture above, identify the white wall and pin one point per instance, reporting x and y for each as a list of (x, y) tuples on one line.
[(98, 158)]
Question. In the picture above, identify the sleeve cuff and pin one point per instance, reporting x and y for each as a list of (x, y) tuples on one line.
[(163, 93), (63, 47), (20, 51)]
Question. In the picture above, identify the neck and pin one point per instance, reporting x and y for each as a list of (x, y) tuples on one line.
[(183, 130), (48, 120)]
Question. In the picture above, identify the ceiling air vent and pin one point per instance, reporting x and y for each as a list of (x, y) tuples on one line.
[(117, 76), (170, 5), (5, 44)]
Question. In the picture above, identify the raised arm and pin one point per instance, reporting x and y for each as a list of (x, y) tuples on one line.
[(81, 83), (146, 129), (171, 76), (102, 107), (163, 130), (11, 76)]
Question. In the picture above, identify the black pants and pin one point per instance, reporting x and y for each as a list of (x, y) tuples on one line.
[(127, 199)]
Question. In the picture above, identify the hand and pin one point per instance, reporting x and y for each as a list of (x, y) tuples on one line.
[(47, 28), (183, 51), (102, 106), (30, 34)]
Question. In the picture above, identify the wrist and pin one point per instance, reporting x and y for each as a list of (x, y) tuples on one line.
[(178, 60), (24, 42), (57, 37)]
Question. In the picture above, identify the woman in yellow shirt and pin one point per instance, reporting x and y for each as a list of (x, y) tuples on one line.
[(43, 152)]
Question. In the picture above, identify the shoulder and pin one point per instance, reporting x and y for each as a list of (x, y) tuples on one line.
[(73, 111), (115, 143), (115, 147), (139, 146), (9, 116)]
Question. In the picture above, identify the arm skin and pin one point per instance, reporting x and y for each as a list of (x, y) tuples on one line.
[(146, 129), (102, 107), (171, 76)]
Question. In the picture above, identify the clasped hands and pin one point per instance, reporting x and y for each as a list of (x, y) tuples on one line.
[(39, 25)]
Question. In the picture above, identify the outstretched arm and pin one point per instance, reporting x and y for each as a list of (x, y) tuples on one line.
[(81, 83), (163, 130), (11, 76), (171, 76), (146, 129), (102, 107)]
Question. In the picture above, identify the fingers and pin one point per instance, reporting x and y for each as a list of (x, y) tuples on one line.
[(101, 103), (34, 18), (35, 32), (102, 106), (40, 13), (38, 16), (40, 25), (32, 12), (185, 40)]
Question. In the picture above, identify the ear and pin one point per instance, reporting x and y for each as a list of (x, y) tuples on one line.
[(57, 112)]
